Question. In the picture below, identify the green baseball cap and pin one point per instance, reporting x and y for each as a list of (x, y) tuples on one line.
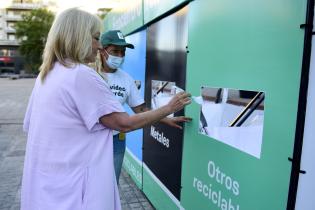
[(114, 37)]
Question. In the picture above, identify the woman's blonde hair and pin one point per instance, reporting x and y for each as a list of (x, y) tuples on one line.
[(97, 65), (70, 39)]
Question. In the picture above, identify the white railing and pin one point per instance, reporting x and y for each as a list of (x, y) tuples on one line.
[(25, 6), (9, 42), (9, 30), (13, 17)]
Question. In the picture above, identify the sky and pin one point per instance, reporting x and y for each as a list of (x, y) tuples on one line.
[(88, 5)]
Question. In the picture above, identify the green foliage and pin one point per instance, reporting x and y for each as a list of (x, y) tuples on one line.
[(33, 31)]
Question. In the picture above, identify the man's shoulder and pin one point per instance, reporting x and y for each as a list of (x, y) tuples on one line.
[(121, 73)]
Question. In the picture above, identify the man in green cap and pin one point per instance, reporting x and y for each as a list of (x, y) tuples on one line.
[(124, 88)]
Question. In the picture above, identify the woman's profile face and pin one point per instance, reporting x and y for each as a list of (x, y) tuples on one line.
[(95, 47)]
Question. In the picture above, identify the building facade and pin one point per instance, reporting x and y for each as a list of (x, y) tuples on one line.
[(10, 59)]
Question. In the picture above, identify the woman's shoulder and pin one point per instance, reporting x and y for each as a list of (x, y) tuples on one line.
[(72, 66), (87, 74), (86, 70)]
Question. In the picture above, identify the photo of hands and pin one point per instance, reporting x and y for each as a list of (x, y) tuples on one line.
[(162, 93), (234, 117)]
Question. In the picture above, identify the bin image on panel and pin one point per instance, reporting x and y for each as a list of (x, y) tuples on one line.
[(161, 94), (162, 145), (234, 117)]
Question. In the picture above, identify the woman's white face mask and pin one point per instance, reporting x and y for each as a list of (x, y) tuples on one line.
[(114, 62)]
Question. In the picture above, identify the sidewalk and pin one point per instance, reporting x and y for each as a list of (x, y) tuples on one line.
[(14, 96)]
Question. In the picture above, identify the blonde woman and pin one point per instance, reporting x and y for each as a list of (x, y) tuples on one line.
[(69, 120)]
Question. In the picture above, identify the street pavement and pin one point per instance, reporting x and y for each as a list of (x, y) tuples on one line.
[(14, 96)]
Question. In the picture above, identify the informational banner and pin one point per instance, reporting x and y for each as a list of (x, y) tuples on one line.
[(134, 65), (165, 68), (254, 46), (127, 17)]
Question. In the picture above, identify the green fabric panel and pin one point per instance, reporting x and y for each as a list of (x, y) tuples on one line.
[(248, 45), (133, 168), (127, 17)]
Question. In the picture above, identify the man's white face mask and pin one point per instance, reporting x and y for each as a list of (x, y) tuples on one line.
[(114, 62)]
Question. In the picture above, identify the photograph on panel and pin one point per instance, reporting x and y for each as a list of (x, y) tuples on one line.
[(162, 92), (234, 117)]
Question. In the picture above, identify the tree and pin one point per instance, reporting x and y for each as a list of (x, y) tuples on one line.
[(33, 31)]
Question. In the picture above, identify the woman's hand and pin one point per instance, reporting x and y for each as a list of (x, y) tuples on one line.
[(179, 101), (125, 123)]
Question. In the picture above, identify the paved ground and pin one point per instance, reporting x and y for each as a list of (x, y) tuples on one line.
[(13, 101)]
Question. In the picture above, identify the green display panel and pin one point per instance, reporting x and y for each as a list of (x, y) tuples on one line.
[(155, 8), (127, 17), (159, 195), (243, 45), (133, 166)]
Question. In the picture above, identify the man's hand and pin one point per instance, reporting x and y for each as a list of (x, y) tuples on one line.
[(174, 121)]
